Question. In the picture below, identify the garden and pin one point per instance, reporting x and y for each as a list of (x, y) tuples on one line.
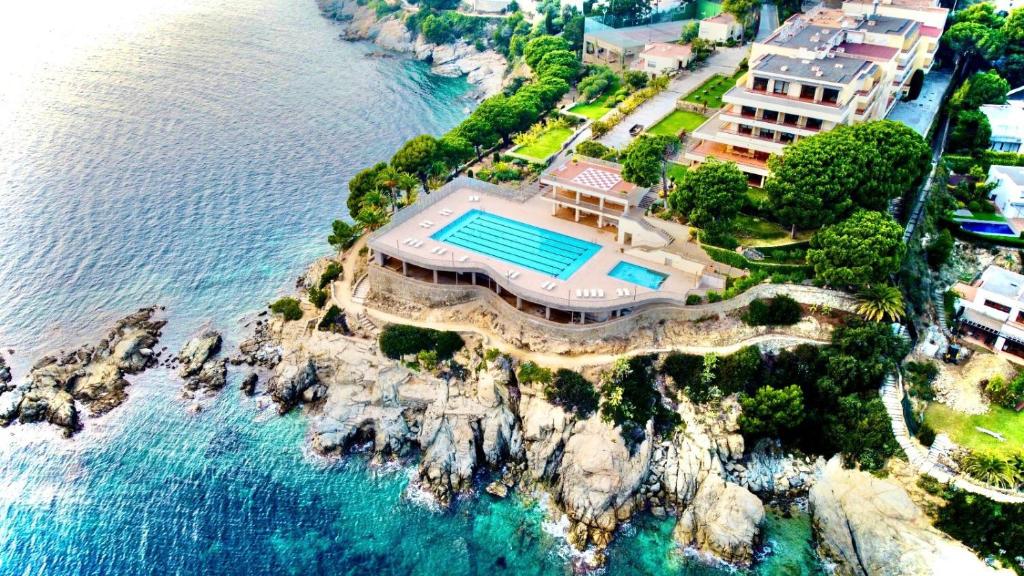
[(543, 140), (711, 91), (677, 122)]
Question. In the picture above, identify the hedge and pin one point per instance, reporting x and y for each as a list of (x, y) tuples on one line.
[(739, 261), (397, 340), (779, 310), (961, 164)]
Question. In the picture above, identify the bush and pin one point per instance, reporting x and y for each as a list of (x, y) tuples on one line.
[(331, 318), (771, 411), (714, 296), (531, 373), (287, 307), (593, 149), (940, 249), (573, 392), (317, 296), (780, 310), (926, 435), (397, 340), (683, 369), (427, 359), (330, 274), (692, 299), (1006, 394), (991, 528), (921, 375)]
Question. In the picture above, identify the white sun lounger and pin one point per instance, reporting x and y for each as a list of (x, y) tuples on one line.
[(600, 293), (441, 251), (418, 243), (579, 293), (586, 293), (463, 258), (551, 286)]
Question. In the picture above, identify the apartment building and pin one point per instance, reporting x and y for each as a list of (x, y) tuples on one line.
[(818, 70), (990, 311)]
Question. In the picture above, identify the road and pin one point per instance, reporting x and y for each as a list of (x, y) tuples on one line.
[(769, 21), (725, 61)]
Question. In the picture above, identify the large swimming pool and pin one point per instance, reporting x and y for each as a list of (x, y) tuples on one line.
[(515, 242), (638, 275), (1000, 228)]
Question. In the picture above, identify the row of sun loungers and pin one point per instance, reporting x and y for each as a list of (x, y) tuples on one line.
[(589, 293), (412, 242), (445, 212), (549, 285), (439, 250), (426, 224), (474, 198), (623, 292)]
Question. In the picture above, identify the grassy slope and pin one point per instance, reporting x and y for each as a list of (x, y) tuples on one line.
[(678, 120), (547, 144), (960, 428)]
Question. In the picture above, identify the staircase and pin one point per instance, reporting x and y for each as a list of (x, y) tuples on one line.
[(361, 290), (367, 325), (650, 198)]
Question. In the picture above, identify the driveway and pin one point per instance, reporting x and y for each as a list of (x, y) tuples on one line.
[(725, 61), (769, 20)]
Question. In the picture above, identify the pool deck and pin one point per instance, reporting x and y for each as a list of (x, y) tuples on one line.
[(593, 274)]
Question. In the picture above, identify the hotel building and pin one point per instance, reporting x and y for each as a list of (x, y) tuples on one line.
[(818, 70)]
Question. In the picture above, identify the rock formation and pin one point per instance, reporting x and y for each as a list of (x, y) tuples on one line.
[(198, 365), (5, 374), (91, 375), (869, 526), (724, 519)]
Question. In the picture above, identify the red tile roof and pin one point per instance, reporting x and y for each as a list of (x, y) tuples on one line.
[(872, 51), (931, 31)]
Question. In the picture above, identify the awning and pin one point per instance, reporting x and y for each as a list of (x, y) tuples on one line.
[(982, 322)]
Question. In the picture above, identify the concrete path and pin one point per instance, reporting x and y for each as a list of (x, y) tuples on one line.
[(725, 61), (769, 21), (920, 112)]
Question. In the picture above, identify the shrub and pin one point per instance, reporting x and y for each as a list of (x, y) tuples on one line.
[(287, 307), (331, 318), (692, 299), (330, 274), (714, 296), (491, 354), (628, 396), (427, 359), (926, 434), (991, 528), (780, 310), (317, 296), (683, 369), (770, 411), (397, 340), (530, 373), (921, 375), (573, 392), (940, 249), (1007, 394)]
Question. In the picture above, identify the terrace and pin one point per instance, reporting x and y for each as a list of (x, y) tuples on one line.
[(525, 266)]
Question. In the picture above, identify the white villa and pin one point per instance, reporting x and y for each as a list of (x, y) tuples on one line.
[(1007, 122), (720, 29), (1008, 193), (991, 310), (664, 57)]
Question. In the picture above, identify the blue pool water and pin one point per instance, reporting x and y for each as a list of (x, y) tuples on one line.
[(518, 243), (988, 228), (638, 275)]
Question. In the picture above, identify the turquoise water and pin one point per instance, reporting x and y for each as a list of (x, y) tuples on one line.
[(518, 243), (638, 275), (996, 228), (192, 153)]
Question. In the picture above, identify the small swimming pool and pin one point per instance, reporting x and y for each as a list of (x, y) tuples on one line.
[(518, 243), (638, 275), (998, 228)]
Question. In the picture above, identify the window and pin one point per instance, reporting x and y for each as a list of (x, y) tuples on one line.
[(760, 84), (590, 47), (786, 137), (767, 134), (748, 111), (997, 306), (813, 123), (770, 116), (744, 129), (1020, 317), (791, 119), (780, 87), (830, 95), (807, 91)]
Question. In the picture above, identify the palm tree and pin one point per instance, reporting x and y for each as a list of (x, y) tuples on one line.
[(880, 302), (390, 181), (991, 469)]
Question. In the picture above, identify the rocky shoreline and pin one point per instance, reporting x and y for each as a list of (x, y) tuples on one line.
[(485, 70)]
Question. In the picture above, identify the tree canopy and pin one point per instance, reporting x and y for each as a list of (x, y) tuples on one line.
[(710, 196), (859, 251), (971, 132), (364, 182), (417, 156), (539, 47), (770, 411), (905, 158), (641, 163), (981, 88)]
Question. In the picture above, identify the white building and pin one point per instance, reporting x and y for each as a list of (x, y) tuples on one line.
[(1007, 122), (664, 57), (720, 29), (991, 310), (1008, 193)]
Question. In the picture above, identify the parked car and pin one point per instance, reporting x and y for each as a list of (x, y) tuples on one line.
[(636, 129)]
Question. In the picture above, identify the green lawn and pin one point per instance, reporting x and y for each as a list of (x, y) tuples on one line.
[(757, 196), (677, 121), (984, 216), (675, 171), (960, 428), (547, 144), (754, 228), (596, 109), (712, 90)]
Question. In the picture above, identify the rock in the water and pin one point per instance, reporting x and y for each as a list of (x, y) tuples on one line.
[(869, 526), (497, 488), (5, 375), (249, 383), (290, 381), (723, 519), (196, 352)]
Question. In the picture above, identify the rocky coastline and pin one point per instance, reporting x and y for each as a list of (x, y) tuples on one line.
[(484, 69), (91, 376)]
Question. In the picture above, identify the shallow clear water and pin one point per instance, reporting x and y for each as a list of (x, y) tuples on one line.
[(191, 153), (637, 275)]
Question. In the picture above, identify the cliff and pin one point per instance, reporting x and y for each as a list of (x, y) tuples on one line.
[(483, 69)]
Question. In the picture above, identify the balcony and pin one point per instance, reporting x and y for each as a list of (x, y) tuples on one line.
[(830, 112), (746, 162)]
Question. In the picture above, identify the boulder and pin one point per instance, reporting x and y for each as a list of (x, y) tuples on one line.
[(5, 374), (290, 380), (196, 352), (546, 428), (248, 385), (723, 519), (869, 526)]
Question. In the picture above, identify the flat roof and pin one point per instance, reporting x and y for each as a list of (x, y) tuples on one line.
[(1014, 173), (885, 25), (593, 175), (931, 31), (871, 51), (799, 34), (665, 49), (636, 36), (722, 18), (1002, 281), (837, 69), (1006, 120)]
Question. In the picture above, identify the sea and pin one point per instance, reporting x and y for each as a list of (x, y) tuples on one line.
[(191, 154)]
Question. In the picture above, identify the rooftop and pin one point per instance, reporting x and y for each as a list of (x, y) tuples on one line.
[(869, 51), (931, 31), (835, 69), (636, 36), (1007, 120), (1014, 173), (722, 18), (884, 25), (667, 50), (1001, 281), (800, 34), (593, 175)]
